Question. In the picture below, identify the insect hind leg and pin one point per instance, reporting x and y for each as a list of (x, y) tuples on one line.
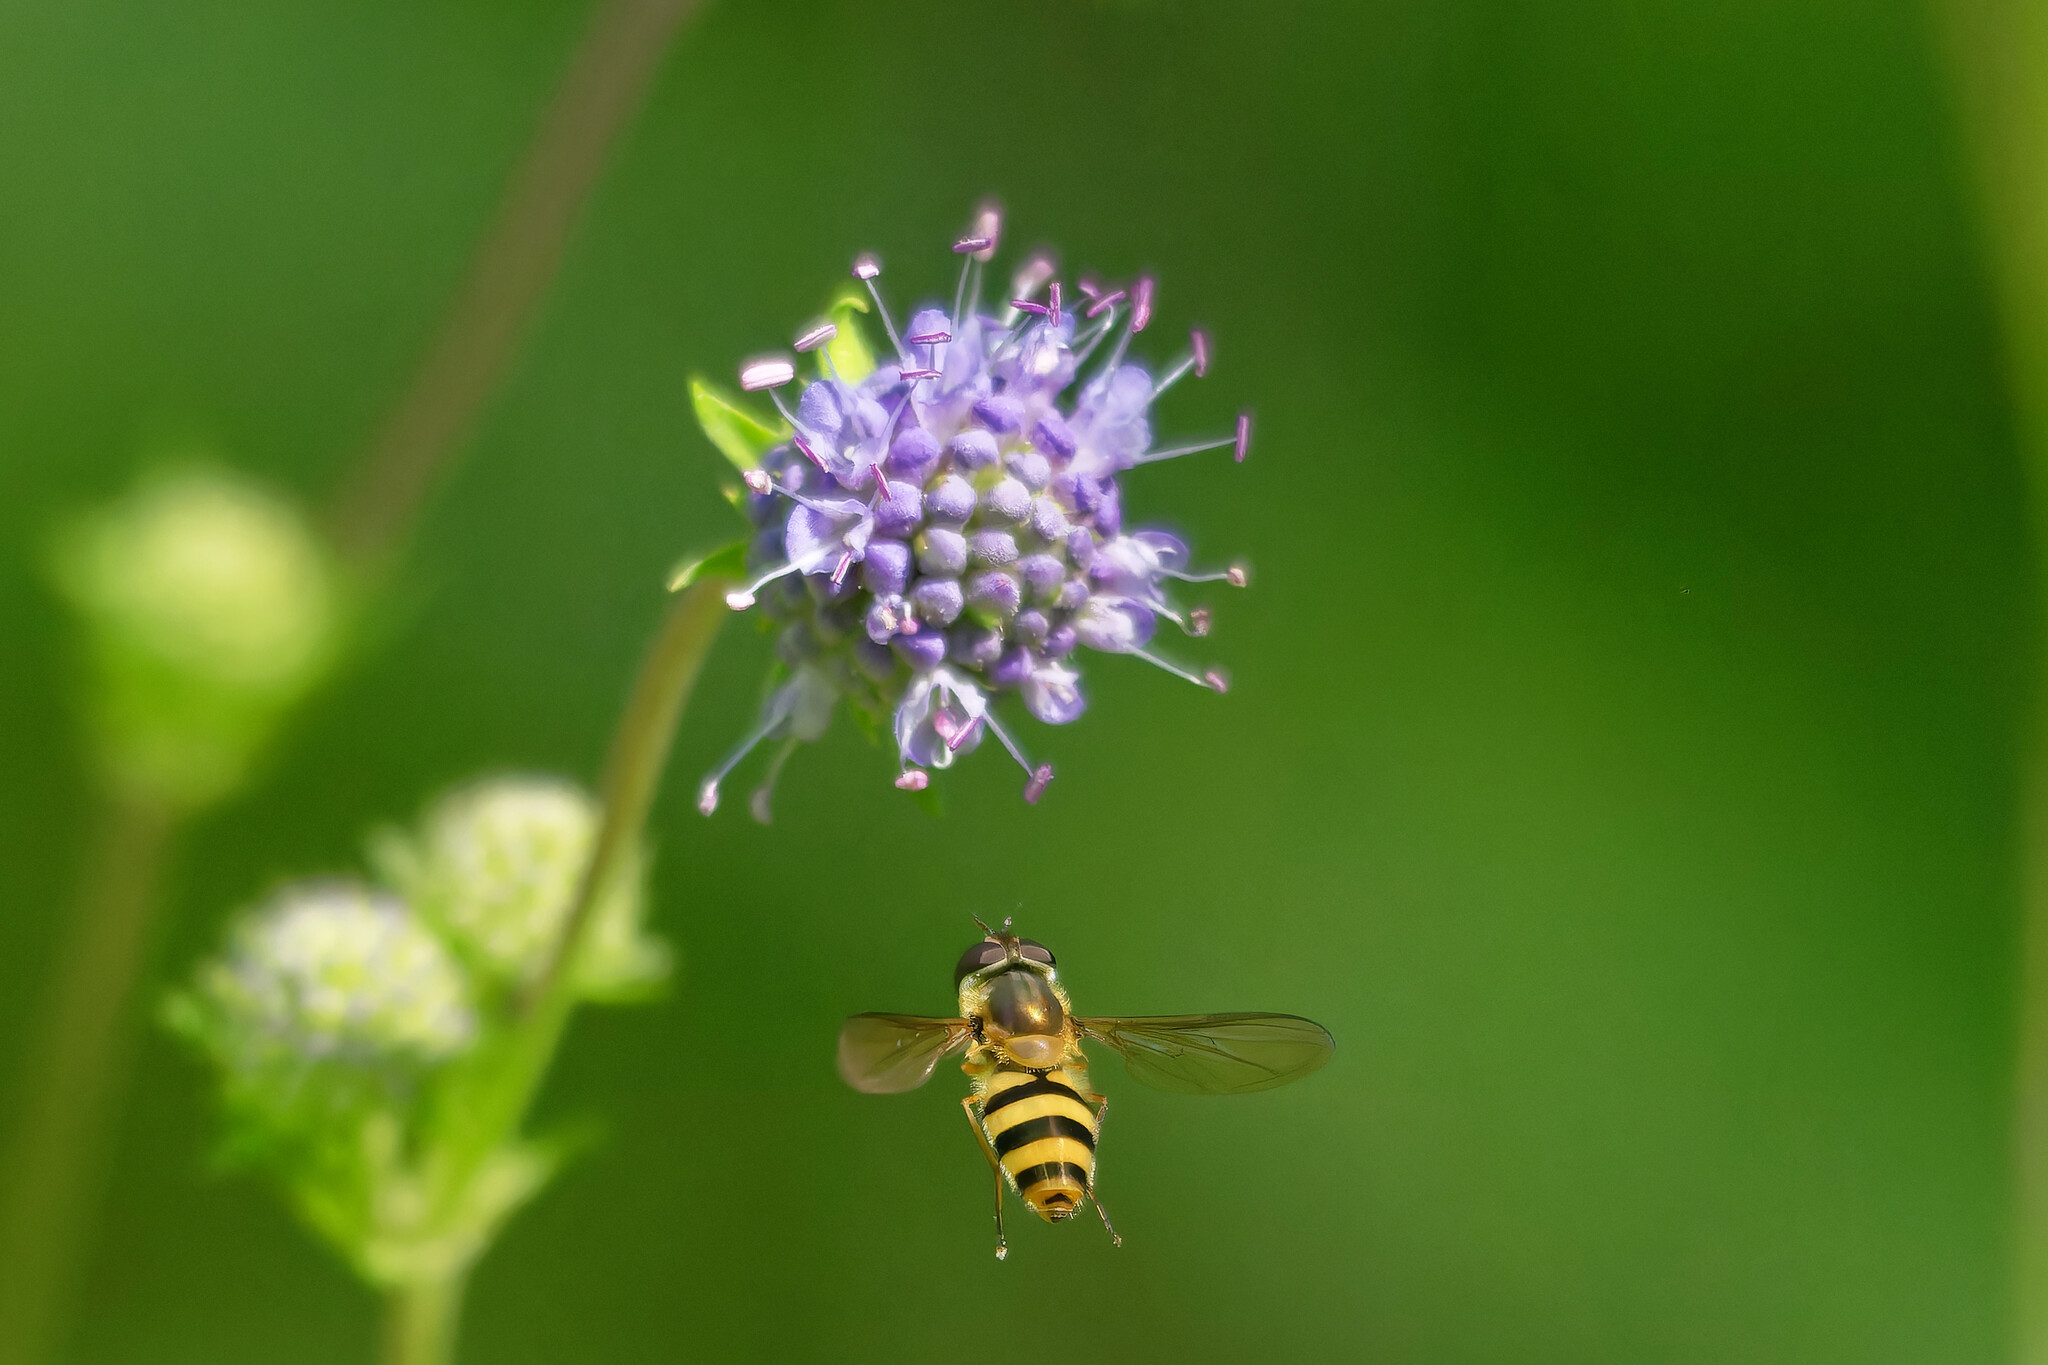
[(1102, 1112), (995, 1167)]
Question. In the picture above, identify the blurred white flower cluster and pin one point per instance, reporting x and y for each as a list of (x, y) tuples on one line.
[(496, 867), (335, 972), (366, 1038)]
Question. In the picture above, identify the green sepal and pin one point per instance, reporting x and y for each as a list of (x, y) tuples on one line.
[(727, 562), (851, 359), (740, 435)]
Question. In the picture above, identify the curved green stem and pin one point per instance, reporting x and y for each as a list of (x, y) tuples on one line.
[(1998, 53), (632, 769), (420, 1321), (481, 1109)]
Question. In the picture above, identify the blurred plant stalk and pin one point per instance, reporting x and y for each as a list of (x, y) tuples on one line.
[(77, 1059), (72, 1076), (485, 1111), (1998, 53), (206, 610), (508, 276)]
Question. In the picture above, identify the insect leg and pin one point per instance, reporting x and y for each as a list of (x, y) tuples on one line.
[(1101, 1113), (995, 1167)]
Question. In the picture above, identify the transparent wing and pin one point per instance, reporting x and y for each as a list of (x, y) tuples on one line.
[(1215, 1054), (886, 1054)]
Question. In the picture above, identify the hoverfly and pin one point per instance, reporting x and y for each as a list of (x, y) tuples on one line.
[(1029, 1106)]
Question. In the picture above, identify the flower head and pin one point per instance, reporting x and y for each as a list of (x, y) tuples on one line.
[(328, 990), (496, 866), (209, 607), (943, 525)]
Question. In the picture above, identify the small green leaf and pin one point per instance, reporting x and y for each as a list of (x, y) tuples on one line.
[(739, 435), (851, 359), (727, 562)]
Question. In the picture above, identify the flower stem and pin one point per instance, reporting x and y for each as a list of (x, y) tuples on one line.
[(1998, 57), (482, 1109), (77, 1059), (420, 1320), (633, 767)]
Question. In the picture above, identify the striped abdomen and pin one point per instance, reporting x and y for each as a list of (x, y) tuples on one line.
[(1045, 1137)]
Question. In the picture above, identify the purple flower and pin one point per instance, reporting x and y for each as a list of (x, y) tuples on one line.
[(954, 508)]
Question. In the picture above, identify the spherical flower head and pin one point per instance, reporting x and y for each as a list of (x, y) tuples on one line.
[(497, 867), (209, 607), (941, 526), (327, 994)]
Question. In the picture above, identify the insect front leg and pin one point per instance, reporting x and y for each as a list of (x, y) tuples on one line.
[(995, 1167)]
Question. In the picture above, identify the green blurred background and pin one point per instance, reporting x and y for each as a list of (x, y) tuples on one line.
[(1621, 757)]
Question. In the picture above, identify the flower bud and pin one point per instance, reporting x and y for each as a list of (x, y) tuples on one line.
[(208, 609)]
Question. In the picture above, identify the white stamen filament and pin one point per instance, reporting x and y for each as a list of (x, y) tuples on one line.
[(960, 291), (759, 805), (1173, 376), (739, 599), (778, 711), (1002, 735), (888, 323), (1234, 576), (1199, 680), (1085, 344), (1155, 456)]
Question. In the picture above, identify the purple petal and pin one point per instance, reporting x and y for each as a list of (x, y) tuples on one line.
[(952, 500), (1114, 625), (938, 600), (914, 454), (942, 552), (1052, 692), (926, 649), (995, 549), (1012, 668), (999, 414), (1043, 574), (972, 449), (886, 568), (900, 513)]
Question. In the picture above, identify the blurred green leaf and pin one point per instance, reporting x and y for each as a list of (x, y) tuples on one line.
[(852, 360), (739, 435), (729, 561)]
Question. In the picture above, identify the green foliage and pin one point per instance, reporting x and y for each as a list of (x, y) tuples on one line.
[(741, 436), (728, 561), (851, 358)]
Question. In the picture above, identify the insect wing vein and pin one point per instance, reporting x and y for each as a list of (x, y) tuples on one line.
[(1215, 1054), (886, 1054)]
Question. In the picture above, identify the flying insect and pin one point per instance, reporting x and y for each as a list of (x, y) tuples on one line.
[(1030, 1106)]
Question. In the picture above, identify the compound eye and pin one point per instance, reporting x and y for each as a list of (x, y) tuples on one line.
[(1036, 952), (982, 954)]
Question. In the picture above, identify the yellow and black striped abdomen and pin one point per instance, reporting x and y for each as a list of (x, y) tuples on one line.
[(1045, 1137)]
